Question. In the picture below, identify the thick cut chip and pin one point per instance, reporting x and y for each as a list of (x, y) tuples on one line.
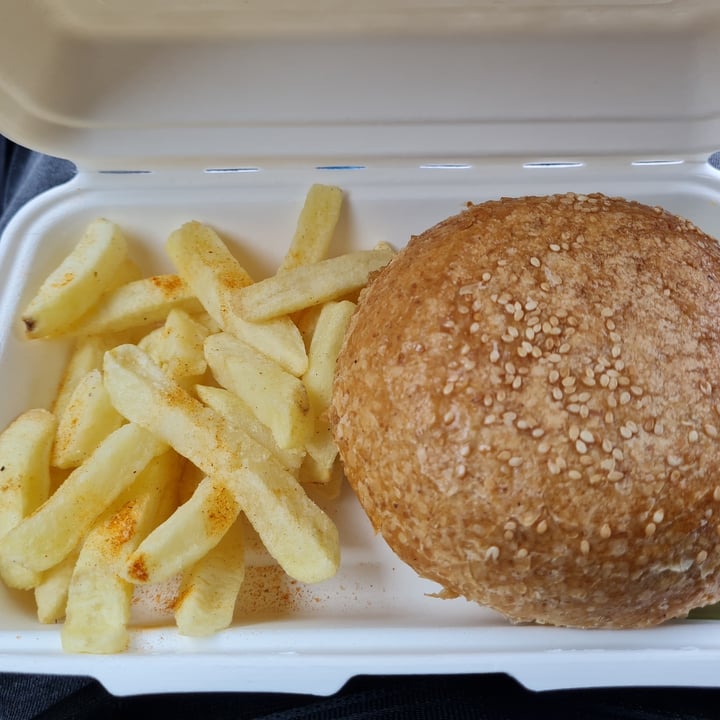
[(98, 604), (87, 420), (324, 348), (209, 589), (25, 447), (51, 592), (309, 285), (86, 355), (296, 532), (277, 398), (44, 538), (25, 466), (77, 283), (137, 304), (315, 227), (206, 264), (186, 536), (237, 411), (177, 347)]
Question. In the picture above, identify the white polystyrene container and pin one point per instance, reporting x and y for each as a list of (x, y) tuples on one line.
[(226, 112)]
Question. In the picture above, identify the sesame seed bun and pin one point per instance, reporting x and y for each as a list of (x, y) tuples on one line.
[(527, 407)]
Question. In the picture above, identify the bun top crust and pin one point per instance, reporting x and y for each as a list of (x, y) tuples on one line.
[(526, 404)]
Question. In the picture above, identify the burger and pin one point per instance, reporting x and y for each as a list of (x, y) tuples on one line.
[(527, 405)]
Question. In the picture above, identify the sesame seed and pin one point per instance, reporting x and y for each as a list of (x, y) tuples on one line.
[(650, 529), (580, 446), (448, 417), (701, 557), (543, 448), (521, 553), (494, 356), (584, 547), (487, 400), (606, 312), (609, 418), (557, 393), (584, 411), (516, 383), (574, 432), (492, 553), (612, 400), (705, 387), (609, 324), (607, 446), (693, 436), (616, 350), (710, 430), (509, 417), (522, 424), (554, 247), (554, 358), (574, 408), (486, 276), (553, 467), (553, 376), (529, 333), (615, 337), (658, 516), (659, 428), (489, 419), (564, 348), (542, 527), (535, 262), (626, 432), (574, 474), (674, 460), (716, 493), (513, 331), (504, 455), (449, 387), (538, 432), (474, 328), (568, 381), (618, 454), (460, 471), (625, 398), (515, 461), (604, 380), (536, 352), (615, 476), (605, 531), (636, 390)]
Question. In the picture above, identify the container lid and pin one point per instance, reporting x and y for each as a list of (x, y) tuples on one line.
[(146, 83)]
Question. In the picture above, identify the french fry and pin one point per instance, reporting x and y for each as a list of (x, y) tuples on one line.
[(25, 466), (76, 284), (237, 411), (25, 447), (299, 535), (98, 603), (136, 304), (209, 589), (309, 285), (87, 420), (277, 398), (206, 264), (186, 536), (324, 348), (315, 227), (44, 538), (86, 355), (51, 592), (177, 347)]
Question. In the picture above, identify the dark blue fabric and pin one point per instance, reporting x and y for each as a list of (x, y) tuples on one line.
[(434, 697)]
